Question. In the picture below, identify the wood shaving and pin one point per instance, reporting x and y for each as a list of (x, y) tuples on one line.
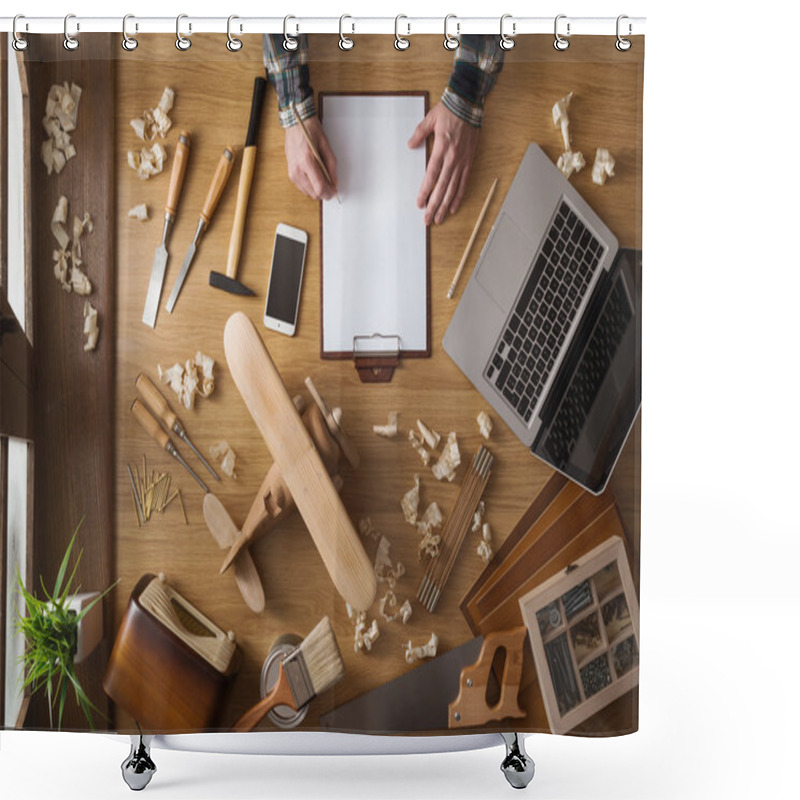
[(485, 547), (569, 163), (148, 161), (140, 212), (68, 258), (155, 122), (364, 635), (385, 571), (484, 424), (60, 119), (367, 529), (389, 430), (418, 444), (427, 650), (561, 119), (430, 437), (90, 328), (195, 377), (410, 502), (603, 166), (449, 460), (477, 518), (432, 516), (225, 457), (390, 611)]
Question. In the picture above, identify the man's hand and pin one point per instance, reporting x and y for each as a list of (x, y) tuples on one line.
[(454, 144), (304, 171)]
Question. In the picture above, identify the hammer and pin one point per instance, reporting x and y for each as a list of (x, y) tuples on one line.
[(228, 281)]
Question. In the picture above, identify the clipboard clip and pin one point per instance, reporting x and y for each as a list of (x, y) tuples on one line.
[(376, 357)]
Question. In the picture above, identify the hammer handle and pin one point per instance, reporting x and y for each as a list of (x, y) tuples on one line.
[(242, 199)]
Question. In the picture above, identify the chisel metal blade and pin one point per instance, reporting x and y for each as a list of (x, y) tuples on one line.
[(156, 285), (416, 701), (176, 289)]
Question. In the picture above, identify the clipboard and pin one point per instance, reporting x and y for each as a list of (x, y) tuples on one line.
[(375, 305)]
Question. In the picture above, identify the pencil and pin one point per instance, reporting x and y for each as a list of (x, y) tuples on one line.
[(314, 150), (471, 241)]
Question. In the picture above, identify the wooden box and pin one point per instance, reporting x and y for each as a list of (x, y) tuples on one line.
[(583, 625)]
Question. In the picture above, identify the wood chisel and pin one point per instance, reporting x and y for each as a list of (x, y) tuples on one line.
[(160, 407), (160, 260), (218, 182), (146, 419)]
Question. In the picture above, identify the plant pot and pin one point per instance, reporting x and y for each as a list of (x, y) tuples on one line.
[(90, 629)]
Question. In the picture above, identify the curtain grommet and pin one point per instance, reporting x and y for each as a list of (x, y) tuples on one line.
[(560, 43), (401, 42), (451, 42), (290, 43), (129, 43), (19, 43), (70, 42), (233, 44), (345, 42), (181, 42), (622, 44)]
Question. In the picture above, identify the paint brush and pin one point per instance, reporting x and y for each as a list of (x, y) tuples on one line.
[(312, 667)]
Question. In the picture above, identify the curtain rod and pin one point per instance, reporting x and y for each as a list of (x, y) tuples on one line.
[(405, 26)]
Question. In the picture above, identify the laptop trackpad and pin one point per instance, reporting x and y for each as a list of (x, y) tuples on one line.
[(505, 262)]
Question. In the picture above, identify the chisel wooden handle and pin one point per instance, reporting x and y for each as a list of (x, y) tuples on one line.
[(470, 708), (149, 423), (156, 400), (218, 182), (179, 162), (293, 450)]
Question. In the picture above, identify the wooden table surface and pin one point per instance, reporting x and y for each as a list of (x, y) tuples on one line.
[(213, 90)]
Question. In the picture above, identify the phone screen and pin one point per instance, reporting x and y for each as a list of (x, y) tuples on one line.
[(284, 283)]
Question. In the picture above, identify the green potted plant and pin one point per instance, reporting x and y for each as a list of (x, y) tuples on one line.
[(60, 630)]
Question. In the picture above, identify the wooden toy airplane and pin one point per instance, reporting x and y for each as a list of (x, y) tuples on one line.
[(305, 474)]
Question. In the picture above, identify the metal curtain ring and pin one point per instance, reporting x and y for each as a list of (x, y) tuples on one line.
[(233, 44), (622, 44), (506, 42), (345, 42), (18, 42), (400, 42), (560, 42), (128, 42), (289, 42), (451, 42), (181, 42), (70, 42)]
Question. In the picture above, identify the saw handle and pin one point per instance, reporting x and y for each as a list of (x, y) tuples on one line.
[(179, 162), (281, 695), (218, 182), (149, 423), (471, 708), (156, 400)]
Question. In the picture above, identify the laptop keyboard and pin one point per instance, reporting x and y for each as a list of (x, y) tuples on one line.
[(537, 327), (585, 384)]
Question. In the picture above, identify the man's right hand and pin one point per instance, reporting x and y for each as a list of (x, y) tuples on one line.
[(304, 171)]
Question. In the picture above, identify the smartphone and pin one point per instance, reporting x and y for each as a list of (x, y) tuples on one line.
[(285, 279)]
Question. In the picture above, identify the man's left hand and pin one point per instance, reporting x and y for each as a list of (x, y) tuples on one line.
[(454, 145)]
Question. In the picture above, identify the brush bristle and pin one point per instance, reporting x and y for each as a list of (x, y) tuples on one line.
[(322, 658)]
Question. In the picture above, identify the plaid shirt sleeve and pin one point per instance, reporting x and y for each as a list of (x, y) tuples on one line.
[(287, 71), (476, 65)]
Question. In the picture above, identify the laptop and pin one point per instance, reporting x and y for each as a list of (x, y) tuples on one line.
[(549, 326)]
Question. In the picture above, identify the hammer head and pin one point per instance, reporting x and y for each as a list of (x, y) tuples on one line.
[(220, 281)]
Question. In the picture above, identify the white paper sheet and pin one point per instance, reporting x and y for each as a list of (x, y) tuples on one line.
[(374, 245)]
